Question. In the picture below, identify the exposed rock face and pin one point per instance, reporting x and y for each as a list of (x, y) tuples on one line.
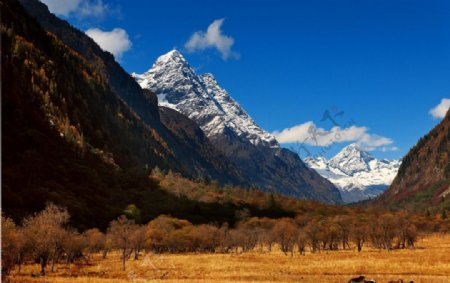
[(232, 131)]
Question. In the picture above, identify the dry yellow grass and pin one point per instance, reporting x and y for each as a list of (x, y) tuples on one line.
[(429, 262)]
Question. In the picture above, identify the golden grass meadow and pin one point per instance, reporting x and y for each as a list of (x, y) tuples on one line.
[(428, 262)]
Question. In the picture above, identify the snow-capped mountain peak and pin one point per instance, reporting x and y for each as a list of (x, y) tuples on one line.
[(257, 154), (351, 159), (357, 173), (200, 98)]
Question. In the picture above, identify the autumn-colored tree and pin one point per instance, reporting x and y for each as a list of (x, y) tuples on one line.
[(329, 234), (343, 222), (285, 233), (45, 231), (159, 232), (235, 239), (138, 239), (383, 230), (10, 246), (120, 231), (312, 230), (302, 240), (95, 240), (407, 231), (259, 229), (206, 238), (73, 245), (358, 231)]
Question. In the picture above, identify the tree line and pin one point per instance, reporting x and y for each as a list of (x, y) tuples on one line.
[(47, 239)]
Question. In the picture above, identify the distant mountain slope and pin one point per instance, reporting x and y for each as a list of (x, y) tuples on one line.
[(195, 141), (68, 138), (356, 173), (423, 179), (232, 131), (177, 155)]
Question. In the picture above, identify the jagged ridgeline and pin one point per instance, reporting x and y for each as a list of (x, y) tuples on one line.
[(357, 173), (276, 170), (263, 162), (80, 132), (69, 139)]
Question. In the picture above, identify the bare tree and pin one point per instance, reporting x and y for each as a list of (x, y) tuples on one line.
[(285, 234), (45, 231), (95, 240), (312, 229), (358, 232), (138, 239), (387, 224), (121, 231), (10, 247), (344, 223), (302, 239), (73, 245)]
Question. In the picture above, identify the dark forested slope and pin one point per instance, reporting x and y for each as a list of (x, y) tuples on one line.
[(423, 180)]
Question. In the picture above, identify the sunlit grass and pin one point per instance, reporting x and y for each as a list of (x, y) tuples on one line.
[(428, 262)]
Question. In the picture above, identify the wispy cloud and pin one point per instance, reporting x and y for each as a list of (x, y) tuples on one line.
[(441, 109), (309, 134), (92, 9), (116, 41), (212, 38), (78, 8)]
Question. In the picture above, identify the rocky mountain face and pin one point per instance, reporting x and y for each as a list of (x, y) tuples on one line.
[(232, 131), (357, 174), (423, 179), (164, 149)]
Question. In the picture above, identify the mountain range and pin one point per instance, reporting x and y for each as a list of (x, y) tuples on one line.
[(357, 174), (263, 163), (79, 131)]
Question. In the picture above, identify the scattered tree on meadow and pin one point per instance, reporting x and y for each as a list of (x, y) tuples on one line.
[(344, 222), (121, 231), (358, 232), (95, 240), (9, 244), (45, 231), (73, 245), (285, 233), (312, 230), (138, 239)]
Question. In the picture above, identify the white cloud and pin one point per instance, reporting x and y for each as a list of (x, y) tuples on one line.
[(115, 41), (308, 133), (62, 7), (79, 8), (92, 9), (441, 109), (213, 38)]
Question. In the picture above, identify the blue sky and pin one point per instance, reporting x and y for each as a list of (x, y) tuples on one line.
[(384, 64)]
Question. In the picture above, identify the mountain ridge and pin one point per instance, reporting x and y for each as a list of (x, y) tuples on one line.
[(357, 174), (232, 131), (423, 179), (176, 154)]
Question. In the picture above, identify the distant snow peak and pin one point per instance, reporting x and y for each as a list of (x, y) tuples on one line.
[(356, 173), (201, 98)]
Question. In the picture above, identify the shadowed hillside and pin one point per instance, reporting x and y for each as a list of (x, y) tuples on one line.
[(423, 178)]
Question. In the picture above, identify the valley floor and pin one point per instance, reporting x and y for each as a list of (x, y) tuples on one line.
[(428, 262)]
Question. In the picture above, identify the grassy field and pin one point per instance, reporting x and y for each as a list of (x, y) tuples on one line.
[(429, 262)]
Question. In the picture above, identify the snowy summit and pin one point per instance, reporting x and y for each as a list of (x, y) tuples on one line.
[(356, 173), (201, 99)]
